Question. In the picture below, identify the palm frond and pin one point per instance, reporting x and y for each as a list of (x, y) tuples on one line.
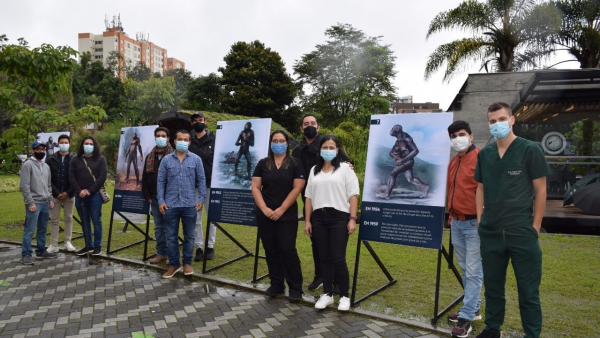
[(456, 55), (469, 15)]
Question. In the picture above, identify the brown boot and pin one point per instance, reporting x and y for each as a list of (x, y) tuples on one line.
[(157, 259), (187, 270), (172, 271)]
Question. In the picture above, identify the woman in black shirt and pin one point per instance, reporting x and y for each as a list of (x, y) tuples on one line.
[(277, 182)]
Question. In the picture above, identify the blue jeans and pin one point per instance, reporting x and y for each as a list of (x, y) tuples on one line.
[(159, 228), (40, 219), (467, 248), (187, 215), (90, 211)]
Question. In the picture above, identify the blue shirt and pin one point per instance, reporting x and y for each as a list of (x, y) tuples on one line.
[(177, 181)]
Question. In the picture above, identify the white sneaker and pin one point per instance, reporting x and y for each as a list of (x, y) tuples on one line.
[(344, 304), (69, 247), (52, 249), (324, 301)]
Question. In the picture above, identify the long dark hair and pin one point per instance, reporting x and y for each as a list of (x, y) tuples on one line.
[(336, 161), (96, 152), (271, 157)]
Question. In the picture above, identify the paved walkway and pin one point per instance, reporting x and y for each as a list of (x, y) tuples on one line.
[(68, 297)]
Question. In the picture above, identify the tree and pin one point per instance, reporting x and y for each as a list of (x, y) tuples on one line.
[(580, 31), (347, 77), (139, 72), (255, 81), (510, 35), (182, 79), (204, 93), (147, 100), (33, 83)]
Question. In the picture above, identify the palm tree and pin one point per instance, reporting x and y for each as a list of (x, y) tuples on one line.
[(580, 31), (509, 35)]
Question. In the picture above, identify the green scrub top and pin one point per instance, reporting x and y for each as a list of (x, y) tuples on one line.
[(508, 186)]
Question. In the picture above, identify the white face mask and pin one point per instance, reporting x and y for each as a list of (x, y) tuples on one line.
[(460, 143)]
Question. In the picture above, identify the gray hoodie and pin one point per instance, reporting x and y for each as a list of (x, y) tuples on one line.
[(36, 184)]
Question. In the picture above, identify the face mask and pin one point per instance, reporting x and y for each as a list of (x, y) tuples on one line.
[(199, 127), (182, 146), (278, 148), (328, 155), (161, 142), (39, 156), (500, 129), (460, 143), (63, 147), (310, 132), (88, 148)]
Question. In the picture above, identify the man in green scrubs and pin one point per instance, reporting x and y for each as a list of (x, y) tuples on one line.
[(510, 200)]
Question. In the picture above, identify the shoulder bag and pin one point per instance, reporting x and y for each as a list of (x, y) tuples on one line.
[(102, 191)]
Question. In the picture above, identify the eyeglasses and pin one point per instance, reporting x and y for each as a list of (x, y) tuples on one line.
[(278, 141)]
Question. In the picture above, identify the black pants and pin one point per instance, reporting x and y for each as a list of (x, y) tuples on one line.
[(330, 232), (279, 241), (246, 152)]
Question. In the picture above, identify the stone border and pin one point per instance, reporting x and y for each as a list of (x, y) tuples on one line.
[(252, 288)]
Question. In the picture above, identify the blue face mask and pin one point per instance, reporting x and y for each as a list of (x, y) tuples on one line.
[(182, 146), (278, 148), (328, 155), (500, 129), (65, 147), (88, 148), (161, 142)]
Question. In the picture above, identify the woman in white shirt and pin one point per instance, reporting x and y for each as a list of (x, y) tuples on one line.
[(331, 204)]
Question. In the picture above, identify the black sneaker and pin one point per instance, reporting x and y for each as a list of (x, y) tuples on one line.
[(210, 253), (84, 251), (336, 289), (27, 260), (275, 290), (199, 255), (97, 252), (453, 317), (489, 333), (315, 284), (462, 329), (46, 254), (295, 295)]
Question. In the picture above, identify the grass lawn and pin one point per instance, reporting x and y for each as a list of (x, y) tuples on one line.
[(570, 289)]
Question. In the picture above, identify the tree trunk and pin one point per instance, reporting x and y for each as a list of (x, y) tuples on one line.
[(588, 138)]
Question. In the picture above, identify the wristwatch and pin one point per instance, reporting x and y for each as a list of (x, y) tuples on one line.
[(354, 218)]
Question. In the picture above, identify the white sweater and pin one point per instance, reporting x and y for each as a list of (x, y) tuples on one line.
[(332, 189)]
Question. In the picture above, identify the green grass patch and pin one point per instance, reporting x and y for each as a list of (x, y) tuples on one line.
[(570, 290)]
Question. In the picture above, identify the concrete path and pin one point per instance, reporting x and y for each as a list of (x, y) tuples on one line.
[(68, 297)]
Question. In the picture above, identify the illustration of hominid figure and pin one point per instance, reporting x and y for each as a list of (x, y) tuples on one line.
[(404, 152), (50, 147), (131, 157), (245, 141)]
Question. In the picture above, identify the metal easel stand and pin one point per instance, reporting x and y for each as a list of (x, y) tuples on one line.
[(391, 280)]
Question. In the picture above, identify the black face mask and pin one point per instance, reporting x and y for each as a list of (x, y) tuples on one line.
[(199, 127), (39, 156), (310, 132)]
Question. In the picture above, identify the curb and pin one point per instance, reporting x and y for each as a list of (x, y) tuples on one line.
[(253, 288)]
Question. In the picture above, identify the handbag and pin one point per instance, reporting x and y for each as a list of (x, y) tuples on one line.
[(102, 191)]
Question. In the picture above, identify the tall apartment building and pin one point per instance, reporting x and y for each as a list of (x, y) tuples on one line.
[(134, 51)]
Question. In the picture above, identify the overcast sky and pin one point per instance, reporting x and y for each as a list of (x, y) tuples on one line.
[(200, 33)]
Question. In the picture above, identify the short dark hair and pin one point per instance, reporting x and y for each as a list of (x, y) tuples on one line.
[(162, 129), (96, 152), (308, 115), (64, 136), (335, 162), (184, 131), (459, 125), (249, 124), (499, 105)]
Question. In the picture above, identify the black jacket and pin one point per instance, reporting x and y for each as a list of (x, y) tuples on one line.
[(54, 162), (149, 179), (309, 155), (205, 148)]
